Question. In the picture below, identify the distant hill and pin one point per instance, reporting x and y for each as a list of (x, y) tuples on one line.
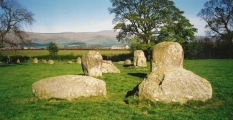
[(105, 38)]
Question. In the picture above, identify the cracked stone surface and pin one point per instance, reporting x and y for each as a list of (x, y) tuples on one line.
[(92, 63), (169, 81)]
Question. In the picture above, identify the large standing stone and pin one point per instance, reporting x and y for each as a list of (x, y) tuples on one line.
[(92, 63), (167, 55), (69, 87), (168, 81), (35, 60), (139, 58), (108, 67)]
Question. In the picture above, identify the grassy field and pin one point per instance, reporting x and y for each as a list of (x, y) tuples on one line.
[(32, 53), (18, 101)]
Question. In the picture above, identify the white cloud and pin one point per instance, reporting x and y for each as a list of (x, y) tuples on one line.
[(94, 26), (91, 26)]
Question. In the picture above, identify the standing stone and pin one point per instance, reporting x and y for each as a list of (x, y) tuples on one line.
[(69, 87), (139, 58), (92, 63), (169, 81), (127, 62), (18, 61), (35, 60), (70, 62), (78, 60), (44, 61), (51, 62), (167, 55), (8, 60), (109, 67)]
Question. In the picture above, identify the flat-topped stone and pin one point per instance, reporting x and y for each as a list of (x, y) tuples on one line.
[(69, 87)]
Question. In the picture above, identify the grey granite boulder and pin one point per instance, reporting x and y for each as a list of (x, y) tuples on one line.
[(35, 60), (169, 81), (92, 63), (109, 67), (51, 62), (69, 87), (139, 59), (167, 55), (127, 62), (78, 60)]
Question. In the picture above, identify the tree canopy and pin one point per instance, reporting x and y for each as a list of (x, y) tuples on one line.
[(218, 14), (150, 21), (12, 19), (52, 48)]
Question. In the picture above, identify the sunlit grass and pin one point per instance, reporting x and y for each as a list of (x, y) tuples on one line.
[(18, 101)]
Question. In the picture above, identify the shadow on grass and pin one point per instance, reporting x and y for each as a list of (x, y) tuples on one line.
[(135, 89), (129, 66), (132, 92), (10, 65), (82, 74), (140, 75)]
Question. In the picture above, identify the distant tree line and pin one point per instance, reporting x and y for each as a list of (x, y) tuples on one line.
[(208, 48)]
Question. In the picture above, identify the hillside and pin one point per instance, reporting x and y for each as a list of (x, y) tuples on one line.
[(102, 38)]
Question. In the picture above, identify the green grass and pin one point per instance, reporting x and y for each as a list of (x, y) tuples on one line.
[(18, 101)]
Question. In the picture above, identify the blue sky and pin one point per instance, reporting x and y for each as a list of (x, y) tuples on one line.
[(53, 16)]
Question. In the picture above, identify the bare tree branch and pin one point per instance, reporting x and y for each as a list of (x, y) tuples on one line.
[(13, 18), (218, 14)]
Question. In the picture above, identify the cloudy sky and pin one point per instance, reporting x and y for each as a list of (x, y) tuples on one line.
[(53, 16)]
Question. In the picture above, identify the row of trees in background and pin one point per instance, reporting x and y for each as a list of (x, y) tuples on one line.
[(201, 48), (208, 48)]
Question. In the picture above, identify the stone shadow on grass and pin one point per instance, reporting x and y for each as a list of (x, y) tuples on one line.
[(129, 66), (132, 92), (135, 89), (140, 75), (11, 65)]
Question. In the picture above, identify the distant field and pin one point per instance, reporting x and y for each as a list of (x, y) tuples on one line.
[(31, 53)]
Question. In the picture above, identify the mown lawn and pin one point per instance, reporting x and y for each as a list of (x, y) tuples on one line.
[(18, 101)]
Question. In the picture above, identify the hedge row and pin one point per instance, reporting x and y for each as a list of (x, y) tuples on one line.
[(208, 50)]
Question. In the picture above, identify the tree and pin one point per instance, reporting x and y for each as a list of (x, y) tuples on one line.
[(218, 14), (53, 48), (150, 21), (12, 19), (180, 30)]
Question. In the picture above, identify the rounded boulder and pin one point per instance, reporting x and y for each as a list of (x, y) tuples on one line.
[(69, 87)]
